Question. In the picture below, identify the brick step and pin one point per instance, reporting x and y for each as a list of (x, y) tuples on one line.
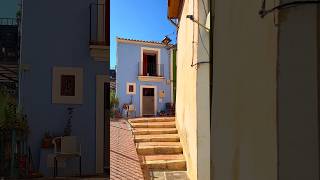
[(157, 137), (152, 119), (154, 125), (153, 148), (145, 131), (165, 162)]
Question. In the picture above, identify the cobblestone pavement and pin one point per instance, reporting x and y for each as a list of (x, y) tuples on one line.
[(124, 160)]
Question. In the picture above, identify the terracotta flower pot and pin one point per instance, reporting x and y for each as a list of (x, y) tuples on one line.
[(46, 143)]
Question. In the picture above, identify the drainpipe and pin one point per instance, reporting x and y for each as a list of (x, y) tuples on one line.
[(171, 75)]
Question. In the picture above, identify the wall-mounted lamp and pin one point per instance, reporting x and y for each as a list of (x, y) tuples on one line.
[(191, 17), (166, 40)]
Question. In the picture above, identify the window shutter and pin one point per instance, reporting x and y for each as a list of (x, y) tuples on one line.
[(145, 63)]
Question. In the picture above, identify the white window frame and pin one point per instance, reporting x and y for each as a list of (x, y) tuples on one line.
[(57, 72), (158, 51), (134, 88)]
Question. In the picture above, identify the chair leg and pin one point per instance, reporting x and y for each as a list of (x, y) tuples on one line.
[(55, 167)]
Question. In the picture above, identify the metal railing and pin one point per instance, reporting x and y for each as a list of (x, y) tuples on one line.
[(98, 29), (9, 42), (150, 69), (8, 21)]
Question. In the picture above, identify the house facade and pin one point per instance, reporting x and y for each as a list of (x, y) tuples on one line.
[(64, 64), (144, 75), (193, 87)]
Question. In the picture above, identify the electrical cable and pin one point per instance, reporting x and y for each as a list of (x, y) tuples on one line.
[(192, 36), (263, 12), (203, 44), (196, 21), (204, 7)]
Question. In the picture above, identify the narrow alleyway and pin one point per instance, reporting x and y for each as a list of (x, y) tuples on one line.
[(124, 161)]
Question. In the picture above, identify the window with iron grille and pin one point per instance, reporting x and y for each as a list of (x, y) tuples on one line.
[(67, 85)]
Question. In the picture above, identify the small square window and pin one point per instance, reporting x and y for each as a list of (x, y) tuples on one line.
[(67, 85), (131, 88)]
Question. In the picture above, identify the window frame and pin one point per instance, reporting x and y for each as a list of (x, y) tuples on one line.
[(134, 88), (157, 51), (57, 97)]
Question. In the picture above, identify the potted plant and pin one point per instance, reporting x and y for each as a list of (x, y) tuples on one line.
[(162, 113), (13, 129), (47, 140), (114, 105)]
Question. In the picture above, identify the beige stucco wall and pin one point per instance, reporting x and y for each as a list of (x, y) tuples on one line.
[(244, 92), (192, 103)]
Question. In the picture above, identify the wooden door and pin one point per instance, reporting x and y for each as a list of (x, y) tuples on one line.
[(148, 101)]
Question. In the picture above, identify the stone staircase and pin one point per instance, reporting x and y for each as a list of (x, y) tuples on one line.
[(158, 143)]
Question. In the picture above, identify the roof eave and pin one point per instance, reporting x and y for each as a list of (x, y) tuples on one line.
[(174, 9)]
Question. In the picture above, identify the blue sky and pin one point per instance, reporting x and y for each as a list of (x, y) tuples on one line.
[(8, 8), (138, 19)]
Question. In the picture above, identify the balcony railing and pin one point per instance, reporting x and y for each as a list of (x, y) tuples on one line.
[(9, 41), (98, 22), (8, 21), (150, 69)]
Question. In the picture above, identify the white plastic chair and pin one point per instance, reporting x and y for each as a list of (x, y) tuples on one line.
[(132, 109), (69, 148)]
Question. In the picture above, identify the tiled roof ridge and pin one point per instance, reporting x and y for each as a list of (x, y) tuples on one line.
[(143, 41)]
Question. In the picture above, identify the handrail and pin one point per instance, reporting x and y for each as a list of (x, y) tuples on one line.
[(155, 70)]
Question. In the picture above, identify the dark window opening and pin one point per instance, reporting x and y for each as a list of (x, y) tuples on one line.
[(130, 88), (67, 85), (149, 64), (148, 92)]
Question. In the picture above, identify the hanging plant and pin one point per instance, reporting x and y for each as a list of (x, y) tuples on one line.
[(67, 129)]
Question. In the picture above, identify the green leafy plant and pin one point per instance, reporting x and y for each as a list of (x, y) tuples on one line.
[(18, 14), (114, 104), (67, 129), (114, 101), (10, 116)]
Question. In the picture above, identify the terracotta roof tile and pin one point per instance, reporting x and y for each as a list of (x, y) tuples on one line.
[(142, 41)]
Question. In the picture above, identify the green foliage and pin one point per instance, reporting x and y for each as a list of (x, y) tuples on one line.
[(10, 116), (18, 13), (114, 101), (67, 129)]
